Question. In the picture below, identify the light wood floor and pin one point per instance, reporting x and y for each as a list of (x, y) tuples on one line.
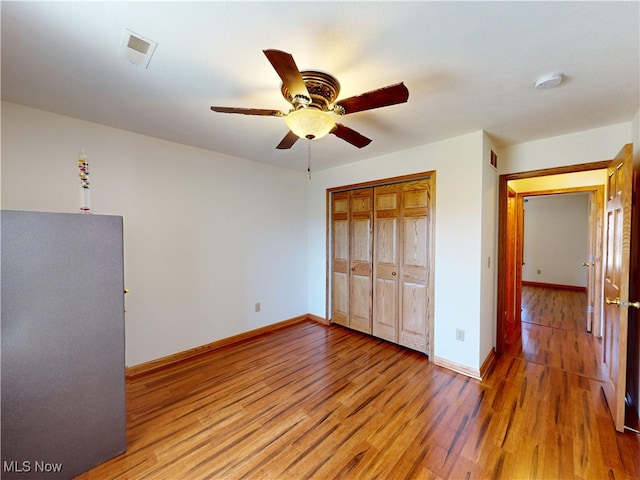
[(554, 332), (323, 402)]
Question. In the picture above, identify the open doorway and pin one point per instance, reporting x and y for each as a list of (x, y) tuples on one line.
[(621, 219), (556, 244), (514, 188)]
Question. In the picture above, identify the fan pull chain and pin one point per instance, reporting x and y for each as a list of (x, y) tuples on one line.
[(309, 157)]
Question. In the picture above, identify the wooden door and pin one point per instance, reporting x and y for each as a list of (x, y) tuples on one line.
[(519, 261), (632, 396), (415, 265), (590, 264), (512, 313), (340, 258), (360, 259), (594, 262), (616, 282), (386, 261)]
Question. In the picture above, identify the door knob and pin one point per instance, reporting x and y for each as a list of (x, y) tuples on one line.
[(353, 269), (622, 303), (393, 273), (630, 304)]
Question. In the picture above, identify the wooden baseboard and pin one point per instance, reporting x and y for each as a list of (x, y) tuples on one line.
[(164, 362), (456, 367), (485, 368), (554, 285), (488, 363), (318, 319)]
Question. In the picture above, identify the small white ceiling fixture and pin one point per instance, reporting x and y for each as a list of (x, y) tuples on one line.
[(136, 48), (549, 80)]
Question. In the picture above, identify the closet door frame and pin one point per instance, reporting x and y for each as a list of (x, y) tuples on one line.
[(431, 177)]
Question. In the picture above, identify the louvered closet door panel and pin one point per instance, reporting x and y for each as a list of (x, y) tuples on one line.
[(386, 262), (415, 267), (360, 280), (340, 258)]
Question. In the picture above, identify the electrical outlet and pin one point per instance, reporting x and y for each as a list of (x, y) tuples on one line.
[(460, 334), (539, 272), (258, 307)]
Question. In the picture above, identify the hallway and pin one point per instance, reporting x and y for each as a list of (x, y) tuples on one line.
[(554, 332)]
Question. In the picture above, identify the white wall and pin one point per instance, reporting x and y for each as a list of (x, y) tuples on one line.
[(206, 235), (572, 149), (458, 236), (556, 239), (489, 255)]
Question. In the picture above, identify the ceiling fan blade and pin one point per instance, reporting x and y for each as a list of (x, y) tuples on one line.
[(351, 136), (250, 111), (286, 68), (288, 141), (382, 97)]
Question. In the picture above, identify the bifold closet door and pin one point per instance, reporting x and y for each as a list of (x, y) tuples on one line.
[(381, 261), (401, 264), (352, 230), (360, 256), (386, 265), (340, 258), (415, 266)]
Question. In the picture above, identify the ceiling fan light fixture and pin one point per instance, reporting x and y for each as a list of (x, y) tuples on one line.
[(310, 123)]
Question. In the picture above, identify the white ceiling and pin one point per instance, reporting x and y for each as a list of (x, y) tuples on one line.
[(468, 66)]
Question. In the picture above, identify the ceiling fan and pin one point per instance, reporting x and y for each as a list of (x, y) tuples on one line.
[(312, 96)]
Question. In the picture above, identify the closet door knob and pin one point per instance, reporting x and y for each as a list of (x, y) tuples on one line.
[(393, 273)]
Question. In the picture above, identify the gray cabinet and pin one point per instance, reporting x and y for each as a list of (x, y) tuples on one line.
[(63, 379)]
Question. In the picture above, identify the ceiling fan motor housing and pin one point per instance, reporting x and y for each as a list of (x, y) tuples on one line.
[(322, 87)]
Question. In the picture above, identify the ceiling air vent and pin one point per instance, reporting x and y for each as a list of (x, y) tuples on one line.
[(136, 48)]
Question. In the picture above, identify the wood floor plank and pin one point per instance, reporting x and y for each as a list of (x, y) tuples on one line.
[(312, 401)]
